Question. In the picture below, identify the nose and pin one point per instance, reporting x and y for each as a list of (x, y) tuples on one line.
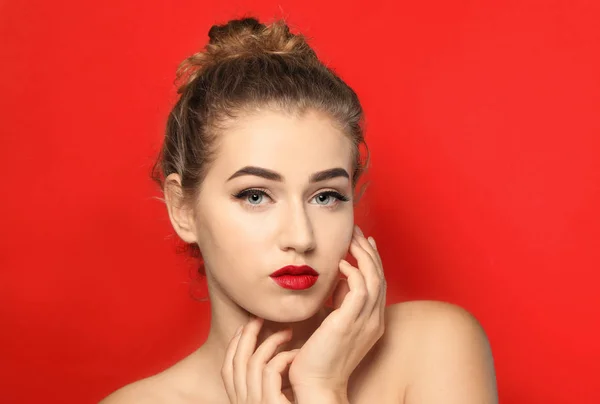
[(296, 231)]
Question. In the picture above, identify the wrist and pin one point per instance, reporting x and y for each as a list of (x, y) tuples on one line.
[(311, 395)]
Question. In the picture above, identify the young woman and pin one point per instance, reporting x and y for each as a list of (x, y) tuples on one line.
[(259, 168)]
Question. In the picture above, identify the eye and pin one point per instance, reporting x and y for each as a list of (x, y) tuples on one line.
[(330, 198), (254, 197)]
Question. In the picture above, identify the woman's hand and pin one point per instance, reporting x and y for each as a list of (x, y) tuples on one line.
[(328, 358), (255, 377)]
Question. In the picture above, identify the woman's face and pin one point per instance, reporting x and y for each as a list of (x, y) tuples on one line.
[(262, 206)]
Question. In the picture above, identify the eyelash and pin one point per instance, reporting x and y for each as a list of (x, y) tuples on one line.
[(251, 191)]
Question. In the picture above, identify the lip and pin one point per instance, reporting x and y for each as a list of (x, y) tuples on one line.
[(295, 270), (295, 277), (295, 282)]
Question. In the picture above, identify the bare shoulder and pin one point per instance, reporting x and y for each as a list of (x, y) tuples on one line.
[(426, 313), (145, 391), (181, 383), (444, 352)]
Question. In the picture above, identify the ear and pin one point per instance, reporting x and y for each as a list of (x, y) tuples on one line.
[(181, 216)]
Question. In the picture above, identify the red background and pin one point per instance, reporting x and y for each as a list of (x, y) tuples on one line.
[(485, 180)]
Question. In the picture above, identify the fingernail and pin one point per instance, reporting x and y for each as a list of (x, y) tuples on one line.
[(239, 330), (372, 241), (358, 230)]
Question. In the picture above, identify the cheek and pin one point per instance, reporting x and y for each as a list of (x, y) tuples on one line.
[(233, 232), (336, 236), (227, 250), (345, 239)]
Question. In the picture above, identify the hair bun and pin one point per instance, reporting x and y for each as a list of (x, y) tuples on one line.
[(240, 38), (242, 26)]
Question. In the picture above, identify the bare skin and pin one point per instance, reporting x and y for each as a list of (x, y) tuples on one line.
[(429, 353)]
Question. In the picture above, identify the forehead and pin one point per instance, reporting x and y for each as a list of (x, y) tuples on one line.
[(289, 144)]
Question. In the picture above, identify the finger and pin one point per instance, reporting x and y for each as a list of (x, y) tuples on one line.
[(355, 301), (272, 377), (371, 241), (382, 299), (227, 368), (244, 351), (370, 247), (339, 293), (368, 269), (380, 302), (379, 307), (366, 244), (264, 353)]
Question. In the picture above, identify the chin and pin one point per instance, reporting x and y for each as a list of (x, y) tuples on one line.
[(292, 311)]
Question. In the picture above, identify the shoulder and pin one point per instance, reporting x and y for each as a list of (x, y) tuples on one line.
[(444, 351), (427, 323), (422, 315), (145, 391), (184, 382)]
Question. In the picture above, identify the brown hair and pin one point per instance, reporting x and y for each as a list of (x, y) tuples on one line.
[(245, 66)]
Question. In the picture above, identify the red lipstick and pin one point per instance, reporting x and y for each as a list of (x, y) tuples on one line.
[(296, 278)]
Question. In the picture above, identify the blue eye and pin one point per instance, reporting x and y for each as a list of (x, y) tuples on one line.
[(322, 199), (325, 198), (254, 197)]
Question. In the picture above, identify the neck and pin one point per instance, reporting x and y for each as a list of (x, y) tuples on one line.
[(227, 316)]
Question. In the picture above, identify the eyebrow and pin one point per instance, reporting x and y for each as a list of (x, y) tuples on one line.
[(274, 176)]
